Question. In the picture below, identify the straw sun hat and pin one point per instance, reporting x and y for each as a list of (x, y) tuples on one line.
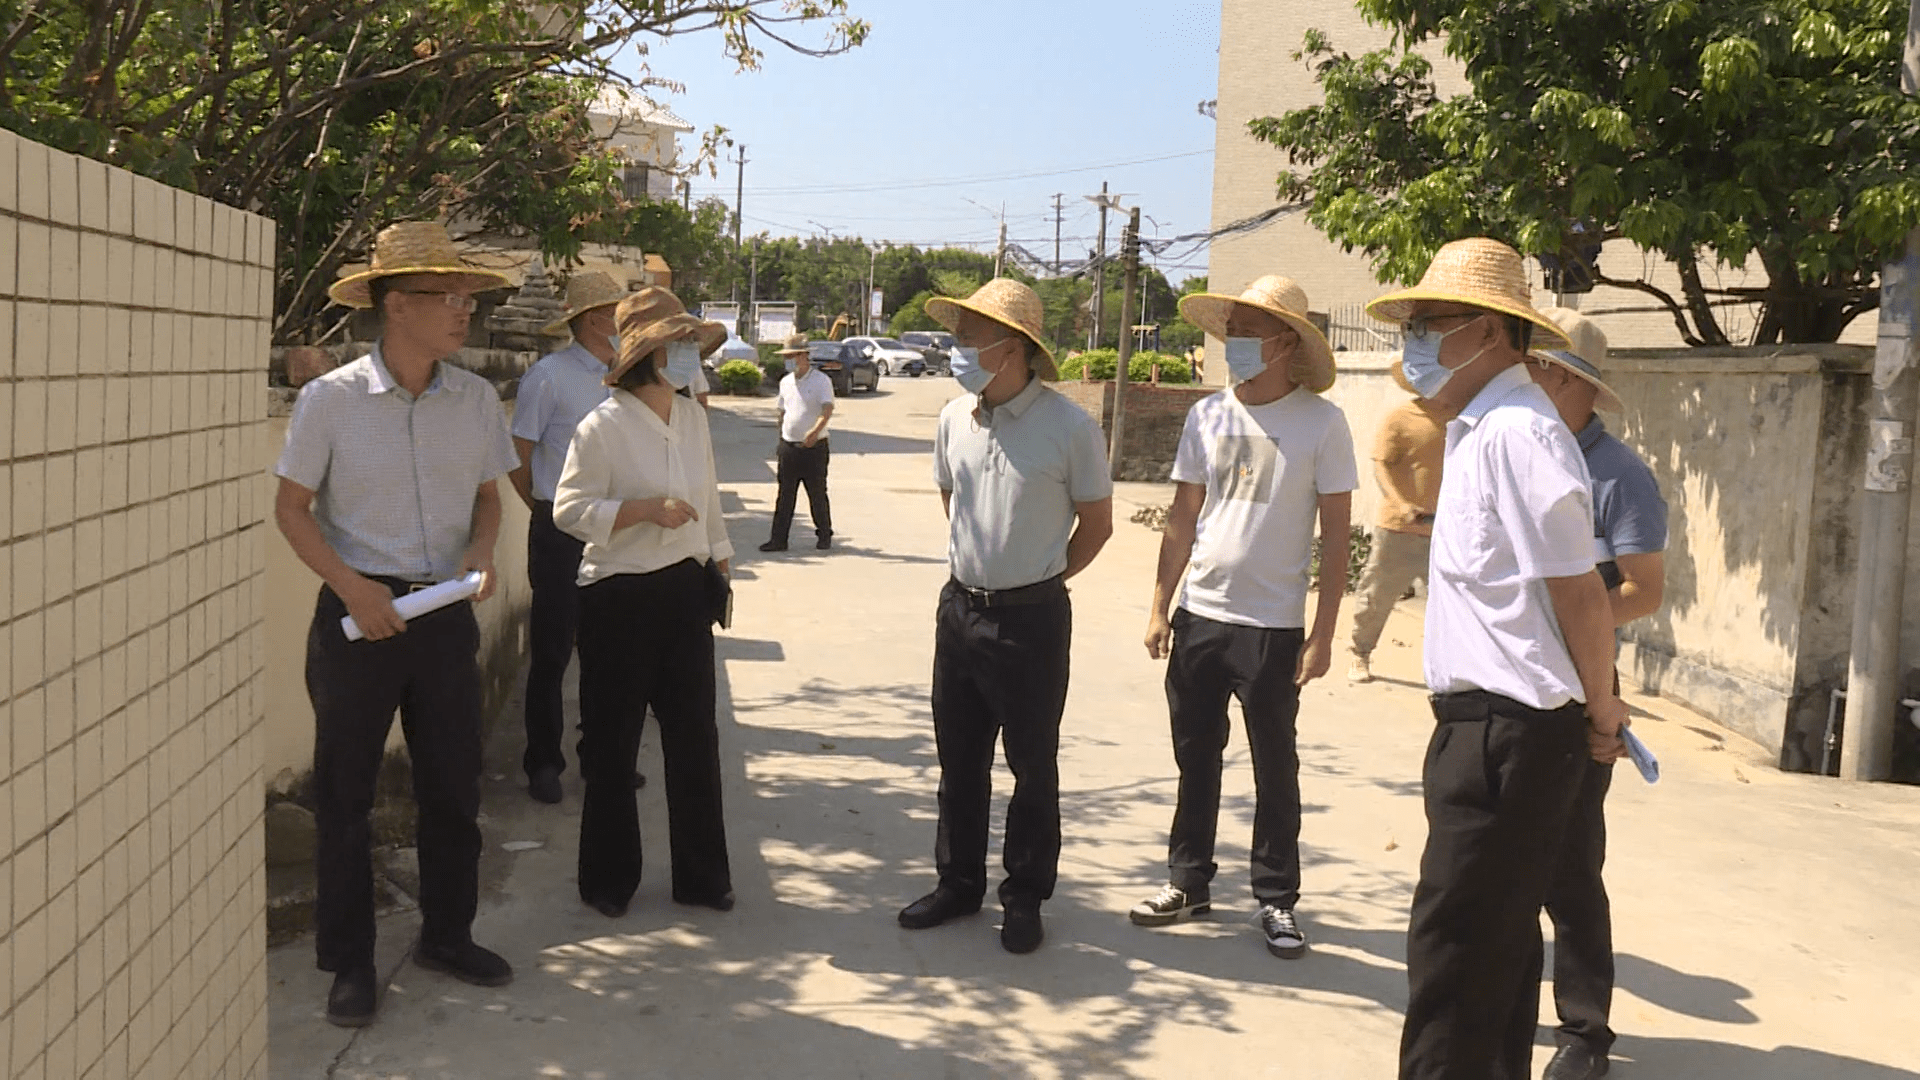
[(586, 290), (1481, 272), (1587, 356), (1280, 297), (796, 344), (409, 247), (654, 317), (1008, 303)]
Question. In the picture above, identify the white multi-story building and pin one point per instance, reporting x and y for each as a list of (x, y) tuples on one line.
[(647, 134)]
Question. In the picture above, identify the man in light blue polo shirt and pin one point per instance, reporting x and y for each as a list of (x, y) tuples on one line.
[(387, 484), (1630, 537), (1029, 499), (556, 394)]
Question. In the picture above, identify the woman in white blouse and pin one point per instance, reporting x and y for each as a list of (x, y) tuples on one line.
[(639, 488)]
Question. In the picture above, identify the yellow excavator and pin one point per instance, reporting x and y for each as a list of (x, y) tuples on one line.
[(842, 327)]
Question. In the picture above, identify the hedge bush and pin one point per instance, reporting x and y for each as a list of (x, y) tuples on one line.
[(1100, 365), (739, 376)]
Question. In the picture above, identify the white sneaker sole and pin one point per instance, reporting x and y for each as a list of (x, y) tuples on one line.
[(1167, 918)]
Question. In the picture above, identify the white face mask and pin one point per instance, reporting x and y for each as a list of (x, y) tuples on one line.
[(614, 340), (683, 363), (1244, 357), (964, 363)]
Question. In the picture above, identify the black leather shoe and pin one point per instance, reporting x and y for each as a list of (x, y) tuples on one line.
[(354, 997), (774, 545), (1020, 929), (935, 908), (639, 781), (723, 902), (1575, 1061), (544, 786), (823, 543), (608, 908), (467, 962)]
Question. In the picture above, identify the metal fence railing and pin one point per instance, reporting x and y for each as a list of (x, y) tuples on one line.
[(1350, 328)]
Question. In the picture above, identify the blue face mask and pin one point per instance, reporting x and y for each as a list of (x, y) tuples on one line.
[(1244, 360), (1420, 360), (792, 363), (614, 340), (964, 361), (683, 363)]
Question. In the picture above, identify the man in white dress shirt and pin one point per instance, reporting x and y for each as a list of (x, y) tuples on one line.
[(554, 396), (1519, 659), (806, 405)]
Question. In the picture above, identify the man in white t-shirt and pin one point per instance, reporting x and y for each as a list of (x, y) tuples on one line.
[(806, 405), (1256, 463)]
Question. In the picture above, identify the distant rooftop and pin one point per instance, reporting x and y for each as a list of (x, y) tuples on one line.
[(625, 104)]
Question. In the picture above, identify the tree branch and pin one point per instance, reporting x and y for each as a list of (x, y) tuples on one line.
[(1679, 313)]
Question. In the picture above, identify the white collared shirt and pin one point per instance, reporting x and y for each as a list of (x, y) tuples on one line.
[(1515, 509), (394, 476), (554, 396), (621, 451)]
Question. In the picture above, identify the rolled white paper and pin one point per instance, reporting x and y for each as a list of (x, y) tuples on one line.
[(415, 604)]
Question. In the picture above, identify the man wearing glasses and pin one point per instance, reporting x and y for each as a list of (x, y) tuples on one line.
[(387, 484), (1519, 659)]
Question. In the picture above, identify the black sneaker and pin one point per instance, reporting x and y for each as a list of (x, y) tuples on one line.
[(1284, 938), (354, 998), (467, 962), (1170, 905), (823, 543), (1020, 928), (774, 545), (544, 786)]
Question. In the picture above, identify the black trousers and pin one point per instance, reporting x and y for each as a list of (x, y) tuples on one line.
[(431, 675), (1000, 672), (799, 465), (1211, 662), (553, 567), (1583, 920), (646, 641), (1500, 781)]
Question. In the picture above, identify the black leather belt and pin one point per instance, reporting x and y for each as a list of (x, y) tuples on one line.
[(400, 586), (1038, 593), (1481, 704)]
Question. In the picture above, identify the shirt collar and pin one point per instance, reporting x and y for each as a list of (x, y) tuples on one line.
[(383, 379), (1496, 391), (1590, 435), (587, 360), (1015, 405), (631, 401)]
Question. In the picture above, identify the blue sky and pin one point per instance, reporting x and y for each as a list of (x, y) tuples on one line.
[(948, 90)]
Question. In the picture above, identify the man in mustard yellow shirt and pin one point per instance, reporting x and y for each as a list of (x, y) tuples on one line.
[(1406, 466)]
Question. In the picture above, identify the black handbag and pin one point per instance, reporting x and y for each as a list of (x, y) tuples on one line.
[(719, 595)]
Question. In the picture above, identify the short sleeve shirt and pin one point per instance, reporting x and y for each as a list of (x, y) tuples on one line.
[(1515, 509), (1015, 473), (802, 400), (1411, 446), (553, 398), (1264, 468), (394, 476), (1629, 513)]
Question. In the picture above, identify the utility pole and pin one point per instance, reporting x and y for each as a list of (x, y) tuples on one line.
[(1000, 250), (1059, 216), (1100, 272), (1130, 254), (739, 196), (1873, 671), (753, 290)]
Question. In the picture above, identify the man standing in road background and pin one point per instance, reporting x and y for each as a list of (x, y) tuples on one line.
[(1023, 477), (1630, 538), (1407, 456), (806, 406)]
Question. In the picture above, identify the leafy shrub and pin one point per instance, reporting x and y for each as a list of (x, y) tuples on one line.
[(739, 376), (1100, 365)]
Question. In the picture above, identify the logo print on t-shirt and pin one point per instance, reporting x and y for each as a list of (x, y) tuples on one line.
[(1244, 466)]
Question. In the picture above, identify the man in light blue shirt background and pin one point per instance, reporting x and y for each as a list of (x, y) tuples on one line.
[(556, 394)]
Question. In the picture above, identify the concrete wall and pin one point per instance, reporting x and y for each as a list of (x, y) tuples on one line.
[(1155, 415), (133, 342), (1759, 453)]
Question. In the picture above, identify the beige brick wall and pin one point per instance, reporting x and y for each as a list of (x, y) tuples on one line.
[(1259, 77), (133, 344)]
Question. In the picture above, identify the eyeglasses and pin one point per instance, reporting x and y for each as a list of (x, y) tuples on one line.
[(1420, 325), (465, 305)]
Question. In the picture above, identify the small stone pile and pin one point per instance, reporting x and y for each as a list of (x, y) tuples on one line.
[(516, 324)]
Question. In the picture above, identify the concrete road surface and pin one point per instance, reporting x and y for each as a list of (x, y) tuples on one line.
[(1768, 925)]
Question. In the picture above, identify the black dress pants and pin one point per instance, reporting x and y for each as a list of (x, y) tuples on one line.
[(1500, 780), (431, 675), (646, 641), (1211, 662), (796, 466), (1000, 672), (1583, 920), (553, 567)]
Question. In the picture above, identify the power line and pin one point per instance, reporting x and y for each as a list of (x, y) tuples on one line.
[(914, 185)]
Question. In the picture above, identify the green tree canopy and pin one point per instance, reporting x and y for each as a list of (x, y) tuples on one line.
[(334, 117), (1702, 130)]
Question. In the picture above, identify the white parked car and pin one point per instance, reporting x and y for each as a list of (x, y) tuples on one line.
[(891, 357)]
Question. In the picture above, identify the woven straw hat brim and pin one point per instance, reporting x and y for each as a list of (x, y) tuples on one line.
[(637, 347), (563, 325), (1606, 401), (946, 310), (1397, 307), (355, 291), (1209, 312)]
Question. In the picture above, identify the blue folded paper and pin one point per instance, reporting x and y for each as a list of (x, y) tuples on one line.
[(1642, 757)]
